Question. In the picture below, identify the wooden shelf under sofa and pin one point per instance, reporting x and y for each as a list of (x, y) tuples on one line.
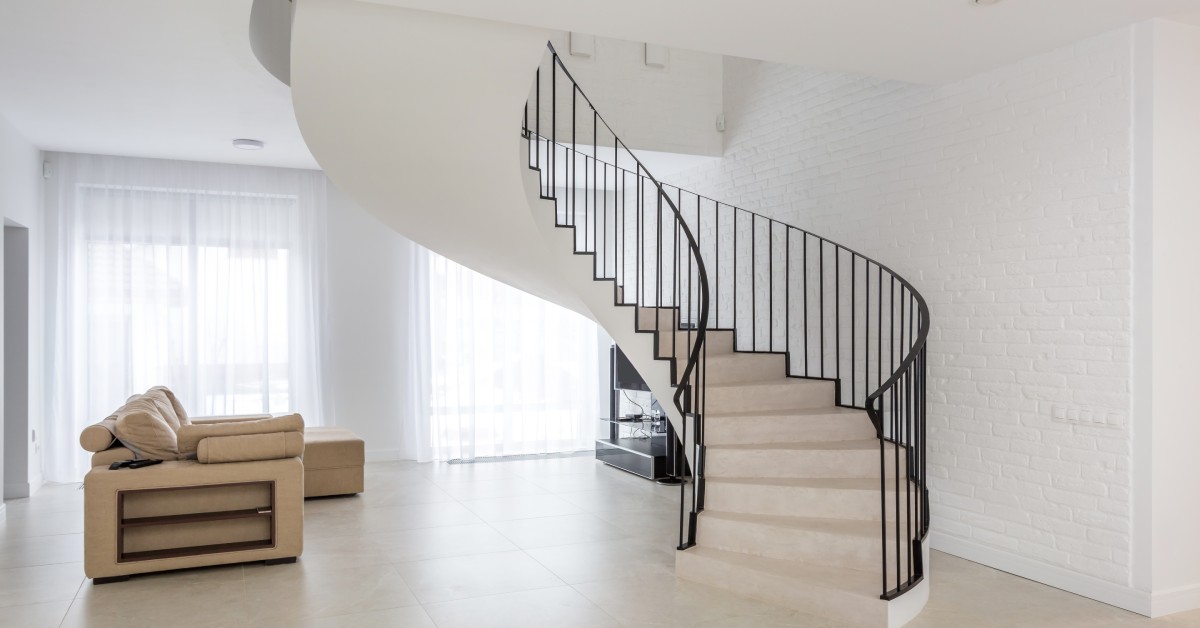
[(264, 512)]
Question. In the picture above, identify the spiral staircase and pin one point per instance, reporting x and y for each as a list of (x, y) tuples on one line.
[(795, 366)]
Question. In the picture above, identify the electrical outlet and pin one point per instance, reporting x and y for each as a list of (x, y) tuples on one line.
[(1094, 417)]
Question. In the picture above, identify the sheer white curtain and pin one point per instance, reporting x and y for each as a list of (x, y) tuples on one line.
[(206, 278), (509, 373)]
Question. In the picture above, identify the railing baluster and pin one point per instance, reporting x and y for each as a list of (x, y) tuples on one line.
[(804, 274), (771, 283), (736, 296), (821, 296)]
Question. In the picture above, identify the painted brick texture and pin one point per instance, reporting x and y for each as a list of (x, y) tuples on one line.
[(1005, 198)]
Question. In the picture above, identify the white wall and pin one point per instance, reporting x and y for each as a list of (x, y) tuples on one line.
[(672, 109), (1005, 198), (20, 194), (370, 373), (1168, 204)]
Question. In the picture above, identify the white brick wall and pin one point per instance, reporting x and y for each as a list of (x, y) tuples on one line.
[(671, 109), (1005, 199)]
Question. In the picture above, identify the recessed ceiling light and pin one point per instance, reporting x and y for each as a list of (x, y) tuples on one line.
[(984, 3), (248, 144)]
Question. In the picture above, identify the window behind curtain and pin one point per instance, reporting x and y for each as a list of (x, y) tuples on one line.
[(201, 277), (511, 374), (194, 300)]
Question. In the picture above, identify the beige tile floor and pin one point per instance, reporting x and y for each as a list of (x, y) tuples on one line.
[(560, 541)]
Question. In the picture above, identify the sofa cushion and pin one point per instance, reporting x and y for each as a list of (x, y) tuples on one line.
[(191, 435), (332, 448), (99, 436), (168, 406), (157, 400), (143, 430)]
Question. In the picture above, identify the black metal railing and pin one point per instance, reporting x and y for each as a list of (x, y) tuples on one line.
[(835, 313), (638, 238)]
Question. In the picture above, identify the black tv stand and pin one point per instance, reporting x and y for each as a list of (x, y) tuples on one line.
[(640, 455), (633, 444)]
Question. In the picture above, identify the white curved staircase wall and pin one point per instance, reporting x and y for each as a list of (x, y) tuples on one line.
[(416, 116), (434, 149)]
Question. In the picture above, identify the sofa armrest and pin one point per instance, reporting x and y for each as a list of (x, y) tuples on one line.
[(247, 447), (233, 418)]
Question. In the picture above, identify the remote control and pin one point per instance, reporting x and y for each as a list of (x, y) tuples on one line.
[(138, 464)]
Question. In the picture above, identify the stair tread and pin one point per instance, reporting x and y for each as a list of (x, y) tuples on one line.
[(743, 356), (854, 484), (871, 444), (850, 581), (800, 412), (848, 527), (782, 381)]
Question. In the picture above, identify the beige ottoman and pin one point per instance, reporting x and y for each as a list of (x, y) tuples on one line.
[(333, 462)]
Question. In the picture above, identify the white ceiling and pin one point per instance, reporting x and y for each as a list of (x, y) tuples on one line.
[(923, 41), (176, 78), (151, 78)]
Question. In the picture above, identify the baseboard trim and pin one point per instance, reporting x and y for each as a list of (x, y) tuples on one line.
[(385, 455), (1175, 600), (1110, 593), (36, 481)]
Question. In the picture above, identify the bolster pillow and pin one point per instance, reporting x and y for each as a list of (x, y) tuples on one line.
[(99, 436), (247, 447), (189, 436)]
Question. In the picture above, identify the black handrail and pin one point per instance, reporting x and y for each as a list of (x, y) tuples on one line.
[(896, 402)]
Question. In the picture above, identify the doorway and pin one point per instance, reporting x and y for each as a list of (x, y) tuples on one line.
[(16, 360)]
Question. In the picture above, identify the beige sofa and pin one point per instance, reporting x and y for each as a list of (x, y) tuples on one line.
[(229, 489)]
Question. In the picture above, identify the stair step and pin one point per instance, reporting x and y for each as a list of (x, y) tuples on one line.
[(741, 367), (668, 319), (816, 498), (845, 595), (716, 341), (819, 459), (791, 425), (778, 394), (845, 543)]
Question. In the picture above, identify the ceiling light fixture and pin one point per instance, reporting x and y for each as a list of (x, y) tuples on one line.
[(245, 144), (984, 3)]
